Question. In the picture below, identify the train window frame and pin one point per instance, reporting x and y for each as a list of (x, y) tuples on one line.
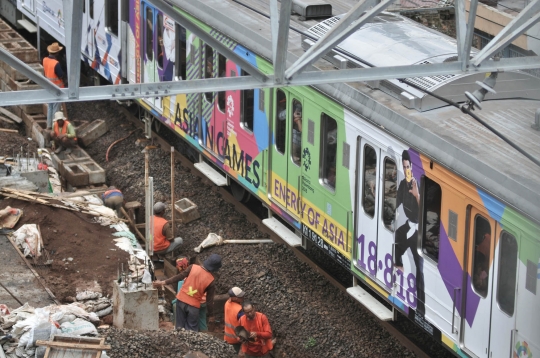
[(91, 9), (207, 48), (181, 59), (245, 104), (221, 74), (149, 40), (423, 219), (160, 45), (500, 270), (111, 17), (391, 229), (473, 258), (363, 195), (282, 121), (327, 119), (295, 102)]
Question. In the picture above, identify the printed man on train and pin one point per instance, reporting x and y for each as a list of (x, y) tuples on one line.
[(408, 195)]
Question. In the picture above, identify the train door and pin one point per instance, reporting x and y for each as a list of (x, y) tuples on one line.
[(367, 213), (505, 273), (285, 174), (148, 56), (478, 293), (88, 24)]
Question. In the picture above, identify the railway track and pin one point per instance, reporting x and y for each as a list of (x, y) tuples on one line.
[(404, 338)]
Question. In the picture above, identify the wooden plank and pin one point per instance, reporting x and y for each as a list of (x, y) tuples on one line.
[(6, 120), (9, 130), (73, 345), (133, 225), (10, 115)]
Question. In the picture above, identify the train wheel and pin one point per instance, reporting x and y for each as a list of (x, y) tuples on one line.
[(239, 192)]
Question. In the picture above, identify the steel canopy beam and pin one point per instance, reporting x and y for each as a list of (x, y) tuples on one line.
[(469, 36), (521, 23), (274, 25), (337, 34), (161, 89), (73, 11), (29, 72), (461, 27), (207, 38), (282, 41)]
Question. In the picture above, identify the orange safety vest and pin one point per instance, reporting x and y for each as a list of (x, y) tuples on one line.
[(48, 68), (231, 321), (194, 286), (63, 130), (260, 346), (160, 241)]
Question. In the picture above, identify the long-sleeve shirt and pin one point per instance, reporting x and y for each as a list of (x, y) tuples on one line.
[(261, 326), (210, 290), (71, 131)]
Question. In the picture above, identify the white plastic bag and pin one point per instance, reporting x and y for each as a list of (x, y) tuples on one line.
[(147, 278)]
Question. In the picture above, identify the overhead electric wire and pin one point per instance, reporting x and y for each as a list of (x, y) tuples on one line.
[(462, 108)]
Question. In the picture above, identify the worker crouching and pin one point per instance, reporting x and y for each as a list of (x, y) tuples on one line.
[(63, 134), (198, 281), (163, 240), (113, 198)]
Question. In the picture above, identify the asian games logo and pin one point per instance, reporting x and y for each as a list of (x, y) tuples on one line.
[(230, 106), (522, 350)]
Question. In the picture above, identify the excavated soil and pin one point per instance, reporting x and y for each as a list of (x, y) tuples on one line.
[(70, 235)]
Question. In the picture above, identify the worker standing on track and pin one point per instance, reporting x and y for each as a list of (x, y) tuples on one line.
[(53, 71), (113, 198), (260, 343), (198, 281), (63, 134), (163, 240), (233, 312)]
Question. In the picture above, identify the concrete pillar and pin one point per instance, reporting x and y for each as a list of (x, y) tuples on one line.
[(137, 309)]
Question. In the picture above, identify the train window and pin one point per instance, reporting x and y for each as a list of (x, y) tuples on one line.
[(281, 121), (208, 69), (149, 34), (248, 104), (328, 148), (91, 9), (390, 193), (181, 52), (296, 140), (222, 72), (506, 289), (482, 243), (111, 16), (431, 221), (370, 180), (161, 46)]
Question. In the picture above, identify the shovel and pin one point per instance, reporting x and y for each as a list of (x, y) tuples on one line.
[(216, 240)]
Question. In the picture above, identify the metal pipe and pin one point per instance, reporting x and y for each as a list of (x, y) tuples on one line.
[(454, 309), (254, 241), (173, 223), (147, 200)]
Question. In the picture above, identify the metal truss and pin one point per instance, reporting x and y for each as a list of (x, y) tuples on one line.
[(295, 75)]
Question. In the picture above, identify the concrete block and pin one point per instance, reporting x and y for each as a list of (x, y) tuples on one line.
[(88, 134), (17, 76), (96, 174), (187, 210), (22, 85), (9, 36), (75, 174), (21, 49), (136, 309), (79, 155)]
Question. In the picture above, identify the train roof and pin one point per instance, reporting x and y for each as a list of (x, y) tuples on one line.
[(443, 133)]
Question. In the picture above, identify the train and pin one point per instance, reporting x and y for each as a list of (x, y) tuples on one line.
[(431, 212)]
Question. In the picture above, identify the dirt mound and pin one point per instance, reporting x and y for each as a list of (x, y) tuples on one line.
[(83, 251)]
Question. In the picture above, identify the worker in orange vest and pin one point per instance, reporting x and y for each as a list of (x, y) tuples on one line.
[(63, 134), (53, 71), (163, 240), (259, 342), (233, 312), (198, 281)]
